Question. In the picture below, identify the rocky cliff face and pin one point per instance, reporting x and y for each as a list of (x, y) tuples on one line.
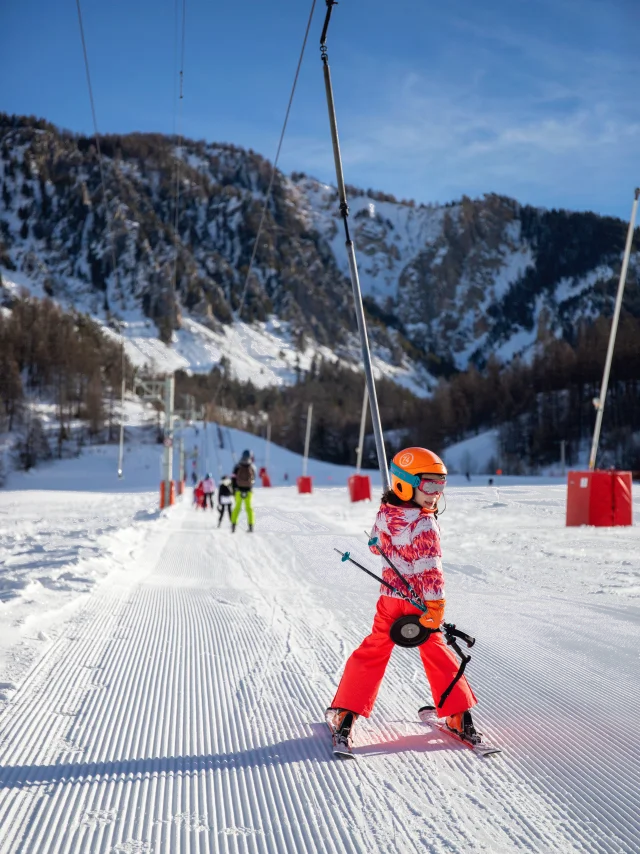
[(483, 276), (443, 285)]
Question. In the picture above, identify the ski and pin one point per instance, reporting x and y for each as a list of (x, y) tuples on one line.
[(341, 743), (428, 715), (341, 747)]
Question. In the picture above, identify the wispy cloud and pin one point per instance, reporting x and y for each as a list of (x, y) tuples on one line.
[(549, 123)]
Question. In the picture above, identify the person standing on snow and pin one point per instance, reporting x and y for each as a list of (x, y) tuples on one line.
[(198, 495), (209, 487), (408, 533), (244, 476), (225, 499)]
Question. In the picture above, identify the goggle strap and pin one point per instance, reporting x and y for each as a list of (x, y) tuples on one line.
[(403, 475)]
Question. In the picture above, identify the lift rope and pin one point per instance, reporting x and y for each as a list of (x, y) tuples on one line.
[(267, 199), (351, 256), (215, 454), (204, 451), (109, 231), (176, 213), (233, 453)]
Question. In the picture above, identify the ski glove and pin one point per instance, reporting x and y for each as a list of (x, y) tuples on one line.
[(434, 615)]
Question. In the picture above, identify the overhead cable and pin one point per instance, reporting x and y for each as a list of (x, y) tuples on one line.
[(267, 198), (176, 235), (109, 231)]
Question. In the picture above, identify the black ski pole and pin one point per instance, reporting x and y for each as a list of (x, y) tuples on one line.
[(373, 541), (346, 556), (451, 630), (464, 660)]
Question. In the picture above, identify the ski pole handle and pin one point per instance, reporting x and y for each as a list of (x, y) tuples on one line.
[(451, 631)]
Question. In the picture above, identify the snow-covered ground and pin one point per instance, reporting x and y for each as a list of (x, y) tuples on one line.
[(64, 528), (167, 684)]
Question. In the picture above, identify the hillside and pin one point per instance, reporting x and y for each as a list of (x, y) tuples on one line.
[(444, 286)]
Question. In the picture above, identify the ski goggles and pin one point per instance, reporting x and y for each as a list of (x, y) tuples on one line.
[(431, 487), (424, 484)]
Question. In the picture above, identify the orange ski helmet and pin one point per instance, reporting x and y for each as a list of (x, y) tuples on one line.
[(408, 465)]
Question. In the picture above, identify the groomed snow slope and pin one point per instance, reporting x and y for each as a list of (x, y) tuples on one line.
[(179, 708)]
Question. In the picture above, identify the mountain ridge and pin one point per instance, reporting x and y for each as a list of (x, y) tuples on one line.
[(445, 286)]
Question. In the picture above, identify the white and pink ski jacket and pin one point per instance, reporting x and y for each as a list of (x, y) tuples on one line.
[(411, 539)]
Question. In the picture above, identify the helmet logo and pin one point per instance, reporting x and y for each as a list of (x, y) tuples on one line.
[(406, 459)]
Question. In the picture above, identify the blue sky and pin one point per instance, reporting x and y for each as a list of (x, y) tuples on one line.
[(536, 99)]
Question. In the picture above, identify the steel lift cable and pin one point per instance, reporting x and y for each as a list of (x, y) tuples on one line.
[(351, 256), (267, 198), (176, 213), (215, 451), (203, 461), (233, 453), (109, 231)]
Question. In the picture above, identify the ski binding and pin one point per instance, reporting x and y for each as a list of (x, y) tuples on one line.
[(341, 742), (428, 715)]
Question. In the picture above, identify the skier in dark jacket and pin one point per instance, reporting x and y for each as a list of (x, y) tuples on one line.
[(244, 477), (225, 497)]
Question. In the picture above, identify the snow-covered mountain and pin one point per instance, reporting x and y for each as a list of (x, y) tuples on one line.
[(443, 285)]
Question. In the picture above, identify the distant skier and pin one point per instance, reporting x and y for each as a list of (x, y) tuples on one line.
[(244, 477), (225, 497), (408, 532), (198, 495), (209, 488)]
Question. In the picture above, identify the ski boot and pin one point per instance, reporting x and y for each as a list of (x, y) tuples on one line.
[(462, 725), (233, 527), (340, 722), (251, 529)]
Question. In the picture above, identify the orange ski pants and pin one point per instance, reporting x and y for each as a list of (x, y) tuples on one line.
[(365, 667)]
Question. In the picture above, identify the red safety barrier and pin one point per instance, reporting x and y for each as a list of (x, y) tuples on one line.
[(263, 474), (305, 484), (180, 487), (601, 498), (172, 495), (360, 487)]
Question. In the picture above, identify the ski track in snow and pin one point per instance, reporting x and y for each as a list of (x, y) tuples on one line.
[(183, 712)]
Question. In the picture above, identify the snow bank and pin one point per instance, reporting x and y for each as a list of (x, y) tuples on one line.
[(475, 455)]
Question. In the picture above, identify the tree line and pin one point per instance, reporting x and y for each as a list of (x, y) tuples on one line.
[(63, 360), (537, 404), (534, 404), (67, 361)]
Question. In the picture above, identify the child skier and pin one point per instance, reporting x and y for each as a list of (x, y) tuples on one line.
[(408, 533), (198, 495), (244, 476), (225, 500)]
